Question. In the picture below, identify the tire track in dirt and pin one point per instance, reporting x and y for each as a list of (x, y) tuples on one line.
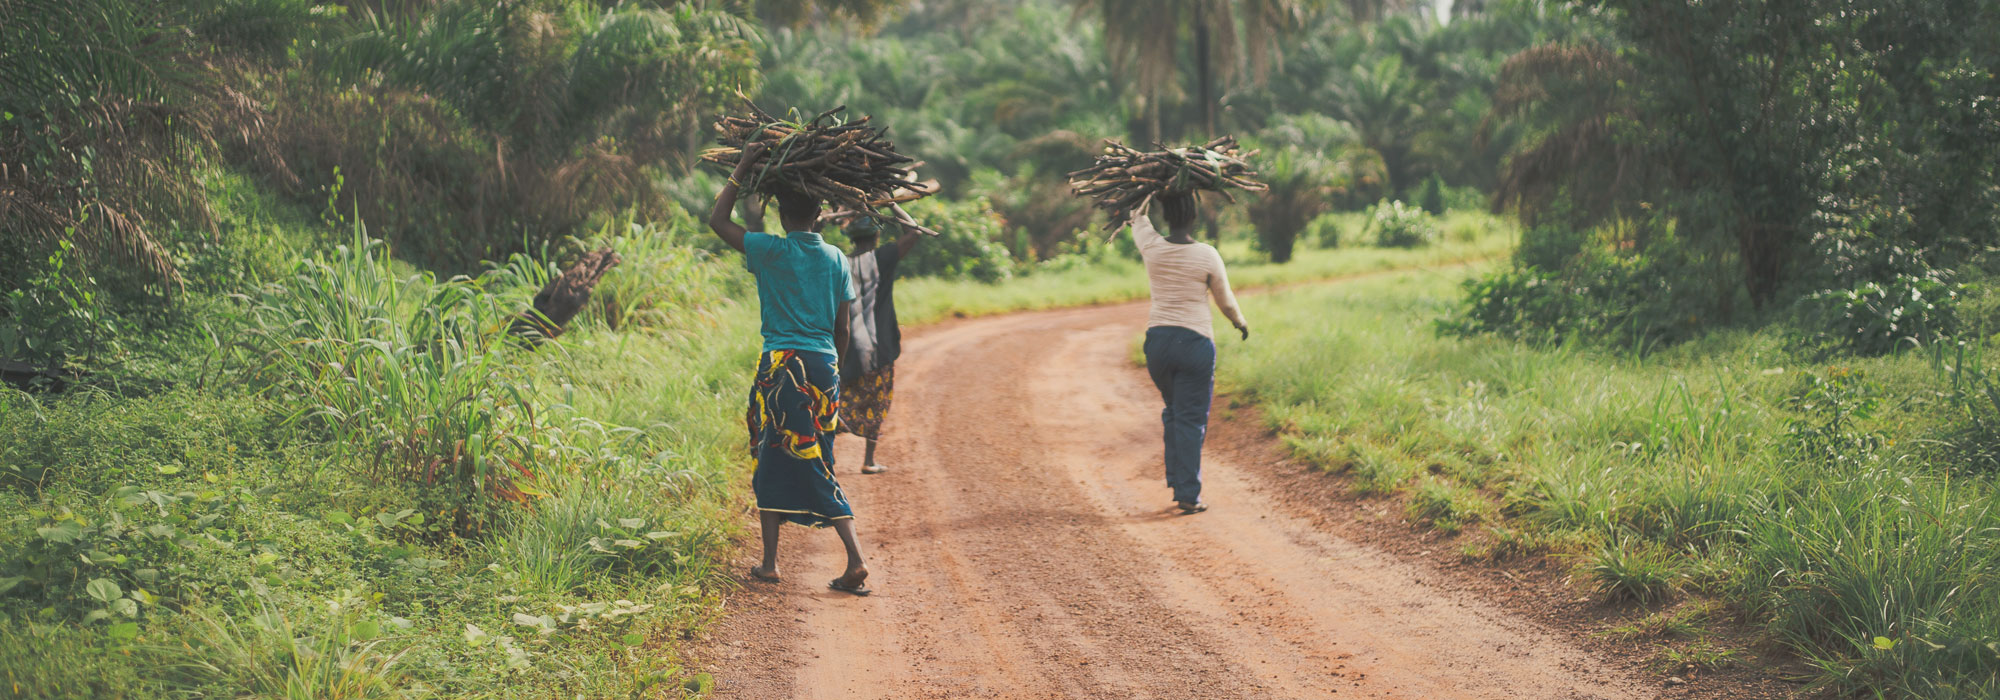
[(1022, 549)]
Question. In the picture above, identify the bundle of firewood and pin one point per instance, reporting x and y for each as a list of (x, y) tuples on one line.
[(848, 164), (1124, 180)]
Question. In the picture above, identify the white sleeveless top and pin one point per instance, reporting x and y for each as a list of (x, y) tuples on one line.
[(1183, 277)]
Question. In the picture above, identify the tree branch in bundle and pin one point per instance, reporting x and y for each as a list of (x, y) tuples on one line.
[(1124, 180), (848, 164)]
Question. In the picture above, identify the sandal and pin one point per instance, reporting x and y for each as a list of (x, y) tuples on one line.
[(860, 589)]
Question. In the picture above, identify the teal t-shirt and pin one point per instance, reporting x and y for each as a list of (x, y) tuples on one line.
[(801, 281)]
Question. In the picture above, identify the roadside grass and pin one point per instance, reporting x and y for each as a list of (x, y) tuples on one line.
[(1112, 277), (362, 489), (350, 484), (1811, 499)]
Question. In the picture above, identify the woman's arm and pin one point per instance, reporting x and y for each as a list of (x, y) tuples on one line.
[(842, 329), (907, 242), (1225, 298), (721, 218), (1143, 233)]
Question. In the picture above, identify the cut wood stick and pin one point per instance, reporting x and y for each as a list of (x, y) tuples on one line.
[(1124, 180), (848, 164), (910, 222)]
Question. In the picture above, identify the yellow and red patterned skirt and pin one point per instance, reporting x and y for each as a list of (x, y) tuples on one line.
[(865, 402), (794, 409)]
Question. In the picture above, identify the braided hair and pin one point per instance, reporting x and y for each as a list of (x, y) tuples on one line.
[(794, 205), (1179, 209)]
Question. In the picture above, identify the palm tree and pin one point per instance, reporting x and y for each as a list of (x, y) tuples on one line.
[(1380, 100), (1143, 38)]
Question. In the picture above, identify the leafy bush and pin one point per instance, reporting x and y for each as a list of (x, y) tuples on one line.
[(1398, 225), (968, 248), (56, 314), (1300, 190), (1659, 294), (1431, 195), (1037, 209), (662, 278), (1332, 230), (94, 441), (411, 375), (1447, 505), (1828, 407), (1873, 318), (1634, 569)]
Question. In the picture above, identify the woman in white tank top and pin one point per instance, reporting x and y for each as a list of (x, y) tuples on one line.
[(1180, 338)]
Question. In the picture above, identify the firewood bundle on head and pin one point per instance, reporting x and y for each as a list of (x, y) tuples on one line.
[(1124, 180), (847, 164)]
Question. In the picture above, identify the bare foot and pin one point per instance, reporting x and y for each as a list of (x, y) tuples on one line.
[(762, 574)]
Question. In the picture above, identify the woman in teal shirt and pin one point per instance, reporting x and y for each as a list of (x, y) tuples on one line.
[(803, 293)]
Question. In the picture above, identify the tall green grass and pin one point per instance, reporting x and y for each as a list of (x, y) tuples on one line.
[(327, 460), (1812, 498), (1114, 278)]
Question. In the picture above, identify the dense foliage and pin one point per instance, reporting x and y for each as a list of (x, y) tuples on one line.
[(1701, 163)]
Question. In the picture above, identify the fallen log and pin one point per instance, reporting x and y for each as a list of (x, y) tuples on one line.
[(563, 298)]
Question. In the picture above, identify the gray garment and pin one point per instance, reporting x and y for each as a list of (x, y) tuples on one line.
[(874, 341)]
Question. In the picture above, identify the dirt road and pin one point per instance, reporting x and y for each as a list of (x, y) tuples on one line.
[(1022, 548)]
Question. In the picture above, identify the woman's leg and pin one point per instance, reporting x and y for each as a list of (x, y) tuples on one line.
[(1194, 388), (856, 570), (1160, 366), (771, 524), (869, 465)]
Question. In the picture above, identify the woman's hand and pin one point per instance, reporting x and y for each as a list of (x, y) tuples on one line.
[(752, 153), (720, 219)]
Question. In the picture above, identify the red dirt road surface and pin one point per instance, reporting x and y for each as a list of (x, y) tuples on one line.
[(1022, 547)]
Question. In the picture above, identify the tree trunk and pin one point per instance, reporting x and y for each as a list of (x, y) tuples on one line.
[(1153, 118), (563, 298), (1204, 71)]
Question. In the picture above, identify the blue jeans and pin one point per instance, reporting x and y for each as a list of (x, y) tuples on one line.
[(1182, 363)]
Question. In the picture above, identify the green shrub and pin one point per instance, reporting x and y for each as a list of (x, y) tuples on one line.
[(1446, 505), (1431, 195), (1332, 229), (663, 277), (1827, 409), (60, 662), (265, 655), (92, 441), (411, 376), (1633, 569), (1658, 296), (1904, 312), (969, 247), (1398, 225)]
